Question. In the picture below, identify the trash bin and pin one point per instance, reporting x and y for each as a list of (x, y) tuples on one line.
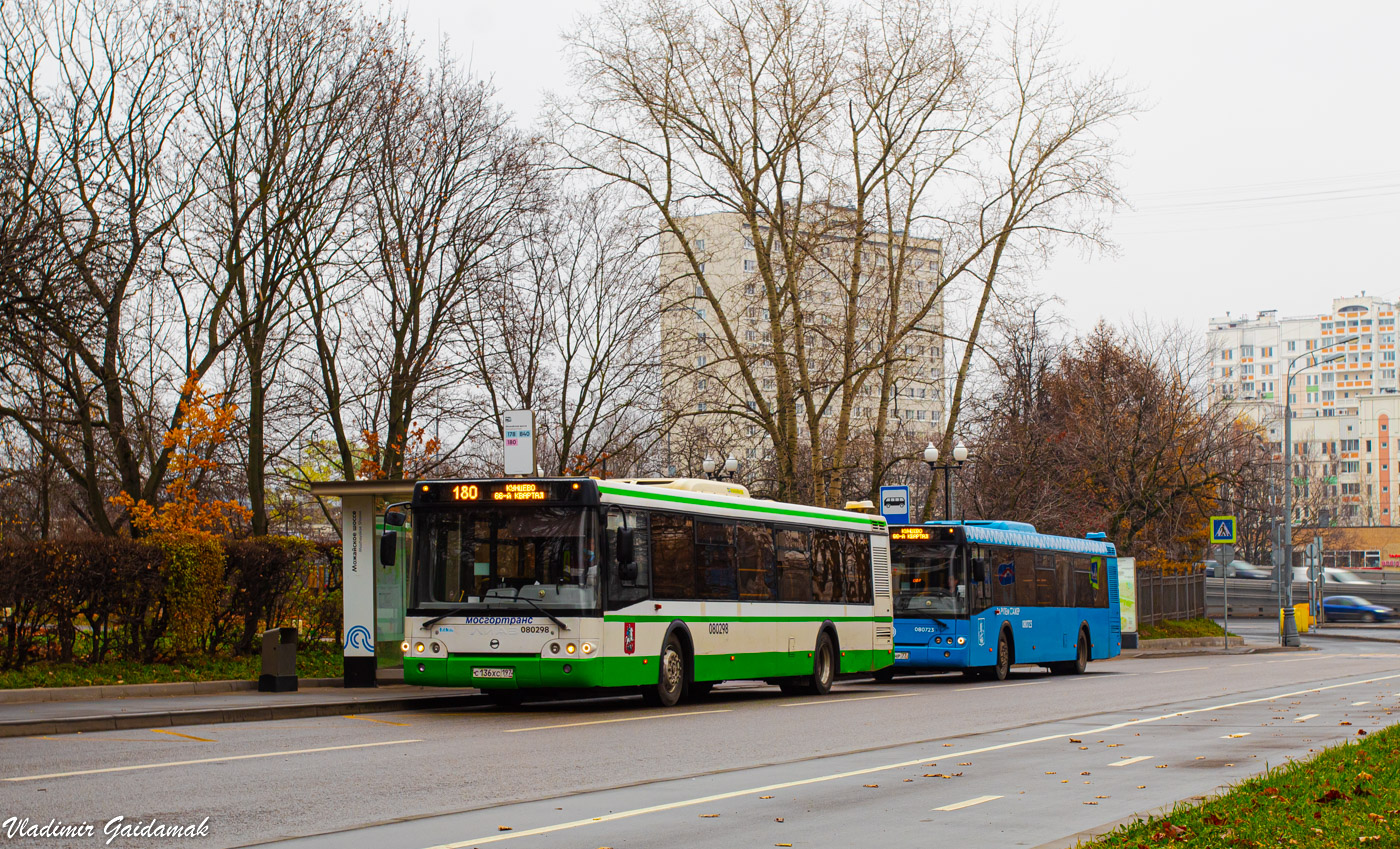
[(279, 661)]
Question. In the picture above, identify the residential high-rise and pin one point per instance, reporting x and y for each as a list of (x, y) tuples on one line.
[(718, 352), (1343, 448)]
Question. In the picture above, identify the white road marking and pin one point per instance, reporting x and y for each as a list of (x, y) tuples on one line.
[(609, 721), (208, 760), (1305, 717), (1359, 704), (820, 779), (967, 804), (854, 699), (1136, 760), (1289, 660), (994, 686), (1184, 669), (1233, 736)]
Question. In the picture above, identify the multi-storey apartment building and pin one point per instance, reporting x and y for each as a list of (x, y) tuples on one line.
[(701, 365), (1343, 447)]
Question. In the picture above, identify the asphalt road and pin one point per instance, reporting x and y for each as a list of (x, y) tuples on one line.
[(1018, 763)]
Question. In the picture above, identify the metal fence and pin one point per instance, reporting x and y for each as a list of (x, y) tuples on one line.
[(1161, 597)]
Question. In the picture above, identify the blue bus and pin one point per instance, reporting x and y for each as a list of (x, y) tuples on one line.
[(981, 596)]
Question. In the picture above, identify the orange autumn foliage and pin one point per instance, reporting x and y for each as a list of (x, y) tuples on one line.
[(201, 427)]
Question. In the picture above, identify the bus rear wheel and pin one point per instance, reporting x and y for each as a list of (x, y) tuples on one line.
[(671, 675)]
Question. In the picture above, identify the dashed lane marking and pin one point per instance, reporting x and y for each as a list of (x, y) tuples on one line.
[(1183, 669), (133, 767), (610, 721), (1359, 704), (995, 686), (956, 806), (1305, 717), (769, 788), (1233, 736), (186, 736), (1129, 761), (854, 699)]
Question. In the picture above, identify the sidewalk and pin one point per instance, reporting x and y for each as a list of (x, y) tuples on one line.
[(111, 710)]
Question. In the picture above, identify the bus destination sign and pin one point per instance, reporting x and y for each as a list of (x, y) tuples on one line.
[(502, 491), (911, 533)]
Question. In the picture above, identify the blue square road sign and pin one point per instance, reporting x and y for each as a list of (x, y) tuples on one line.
[(1222, 530)]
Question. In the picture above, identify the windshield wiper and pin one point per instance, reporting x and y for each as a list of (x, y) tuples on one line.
[(460, 610), (555, 619)]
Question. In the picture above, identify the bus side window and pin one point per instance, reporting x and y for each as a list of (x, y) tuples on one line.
[(794, 564), (855, 554), (1046, 589), (828, 582), (715, 560), (1025, 577), (672, 556), (754, 544)]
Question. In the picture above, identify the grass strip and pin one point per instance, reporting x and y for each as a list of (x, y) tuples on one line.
[(1175, 629), (1348, 795), (313, 662)]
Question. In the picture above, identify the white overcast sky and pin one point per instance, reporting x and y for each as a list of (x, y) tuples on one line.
[(1262, 173)]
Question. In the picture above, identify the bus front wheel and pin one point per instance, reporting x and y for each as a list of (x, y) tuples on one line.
[(670, 684), (1003, 667)]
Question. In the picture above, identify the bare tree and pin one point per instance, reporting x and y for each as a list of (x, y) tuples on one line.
[(282, 108), (107, 339)]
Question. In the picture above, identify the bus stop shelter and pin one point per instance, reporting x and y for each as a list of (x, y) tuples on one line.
[(372, 594)]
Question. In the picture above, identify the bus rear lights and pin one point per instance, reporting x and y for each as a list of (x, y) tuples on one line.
[(418, 647), (587, 648), (436, 647), (553, 648), (571, 648)]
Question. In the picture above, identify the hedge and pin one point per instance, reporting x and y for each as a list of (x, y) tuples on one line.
[(162, 597)]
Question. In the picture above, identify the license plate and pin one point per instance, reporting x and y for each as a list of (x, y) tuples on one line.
[(901, 655), (493, 673)]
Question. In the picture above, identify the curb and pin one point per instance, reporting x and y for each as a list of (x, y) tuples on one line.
[(1184, 643), (250, 713), (126, 691)]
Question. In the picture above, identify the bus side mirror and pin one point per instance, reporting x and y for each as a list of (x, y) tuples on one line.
[(395, 518), (388, 548), (624, 551)]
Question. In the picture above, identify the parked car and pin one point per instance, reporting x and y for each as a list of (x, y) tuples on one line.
[(1340, 608), (1332, 576), (1239, 569)]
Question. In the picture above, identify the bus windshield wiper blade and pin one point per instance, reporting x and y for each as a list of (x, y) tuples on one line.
[(436, 619), (555, 619)]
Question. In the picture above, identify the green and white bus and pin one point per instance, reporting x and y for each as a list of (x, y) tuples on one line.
[(666, 587)]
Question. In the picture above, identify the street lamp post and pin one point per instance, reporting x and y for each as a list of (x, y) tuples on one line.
[(1290, 628), (713, 468), (959, 457)]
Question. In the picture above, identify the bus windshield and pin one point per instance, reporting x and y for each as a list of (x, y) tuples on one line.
[(929, 580), (506, 558)]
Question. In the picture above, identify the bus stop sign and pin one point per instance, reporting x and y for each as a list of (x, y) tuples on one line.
[(1222, 530), (894, 504)]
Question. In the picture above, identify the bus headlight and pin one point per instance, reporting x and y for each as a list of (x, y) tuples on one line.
[(404, 647), (553, 648), (436, 648), (962, 640), (418, 648), (588, 648), (571, 648)]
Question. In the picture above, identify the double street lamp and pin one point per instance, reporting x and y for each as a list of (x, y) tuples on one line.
[(1290, 634), (959, 457), (713, 467)]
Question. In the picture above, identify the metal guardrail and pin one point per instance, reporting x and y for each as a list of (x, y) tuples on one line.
[(1162, 597), (1250, 597)]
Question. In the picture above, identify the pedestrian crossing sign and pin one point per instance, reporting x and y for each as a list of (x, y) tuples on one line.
[(1222, 530)]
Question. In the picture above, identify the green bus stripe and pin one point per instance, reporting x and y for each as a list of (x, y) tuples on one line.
[(753, 508), (743, 618)]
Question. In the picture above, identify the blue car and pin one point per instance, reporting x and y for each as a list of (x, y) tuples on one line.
[(1340, 608)]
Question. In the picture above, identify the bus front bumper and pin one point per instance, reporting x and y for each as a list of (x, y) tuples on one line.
[(931, 657), (502, 672)]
